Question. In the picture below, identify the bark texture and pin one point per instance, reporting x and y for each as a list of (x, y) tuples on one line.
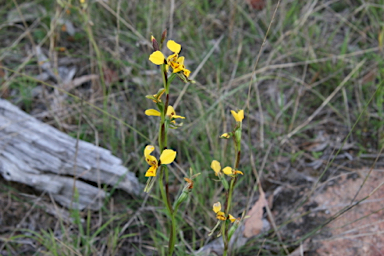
[(38, 155)]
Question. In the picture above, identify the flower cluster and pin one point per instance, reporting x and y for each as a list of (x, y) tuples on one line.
[(171, 114), (215, 165), (173, 60), (221, 215)]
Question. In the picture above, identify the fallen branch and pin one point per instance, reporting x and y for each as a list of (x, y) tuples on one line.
[(38, 155)]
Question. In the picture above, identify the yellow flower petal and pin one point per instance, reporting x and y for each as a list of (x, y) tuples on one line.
[(180, 60), (157, 58), (220, 216), (151, 172), (217, 207), (170, 111), (178, 65), (187, 72), (225, 135), (171, 59), (238, 172), (167, 156), (228, 170), (152, 112), (176, 116), (238, 116), (173, 46), (231, 218), (148, 150), (177, 68), (151, 160), (215, 165)]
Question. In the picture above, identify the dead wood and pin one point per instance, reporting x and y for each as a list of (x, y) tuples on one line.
[(40, 156)]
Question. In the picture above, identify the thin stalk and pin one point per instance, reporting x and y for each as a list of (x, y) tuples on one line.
[(162, 131), (229, 202), (172, 237), (223, 233), (162, 190), (163, 141)]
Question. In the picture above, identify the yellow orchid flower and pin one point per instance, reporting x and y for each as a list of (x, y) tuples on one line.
[(227, 170), (231, 172), (225, 135), (178, 64), (171, 113), (239, 116), (173, 60), (221, 215), (215, 165), (217, 209), (166, 157)]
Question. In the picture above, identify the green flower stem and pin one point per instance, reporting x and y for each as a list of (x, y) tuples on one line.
[(170, 79), (162, 132), (165, 78), (229, 201), (167, 202), (166, 124), (171, 212), (223, 234), (225, 225), (172, 236), (163, 141), (225, 253), (161, 135), (162, 190)]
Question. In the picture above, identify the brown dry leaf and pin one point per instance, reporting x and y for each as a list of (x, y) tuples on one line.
[(254, 224)]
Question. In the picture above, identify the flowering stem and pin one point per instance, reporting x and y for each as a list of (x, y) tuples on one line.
[(165, 78), (162, 190), (229, 202), (171, 212), (172, 236), (162, 132), (163, 140), (223, 233)]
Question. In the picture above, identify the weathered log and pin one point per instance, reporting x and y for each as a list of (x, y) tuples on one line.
[(38, 155)]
